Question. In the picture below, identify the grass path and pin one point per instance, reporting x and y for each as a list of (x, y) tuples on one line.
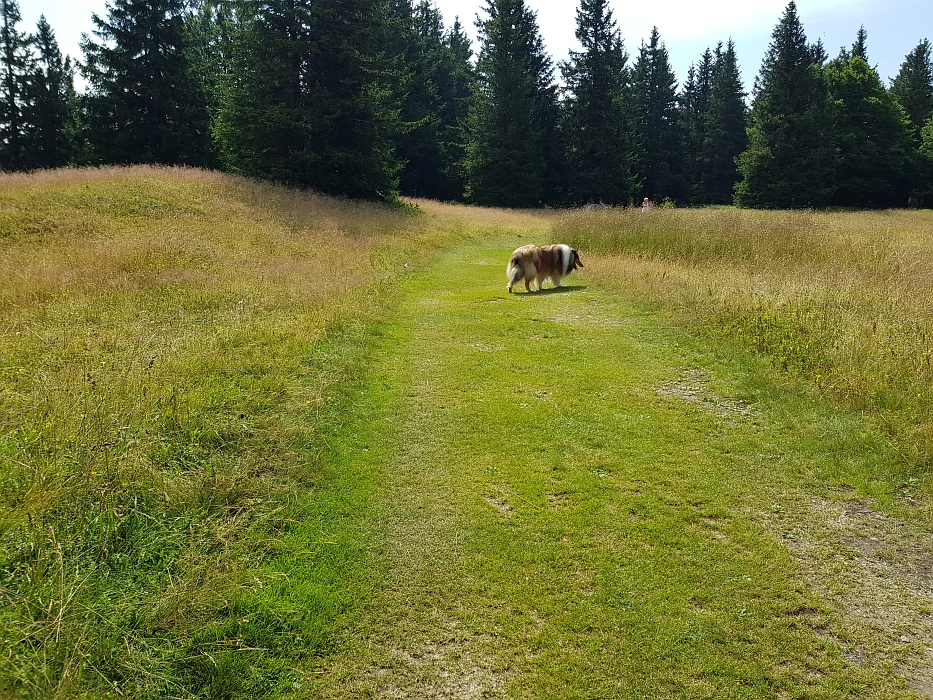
[(567, 506)]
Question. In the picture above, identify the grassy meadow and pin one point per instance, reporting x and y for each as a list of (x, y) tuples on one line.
[(167, 370), (255, 442), (841, 298)]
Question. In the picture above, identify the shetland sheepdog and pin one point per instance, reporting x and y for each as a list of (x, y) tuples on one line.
[(538, 263)]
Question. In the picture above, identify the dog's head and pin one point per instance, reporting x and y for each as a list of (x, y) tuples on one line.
[(576, 260)]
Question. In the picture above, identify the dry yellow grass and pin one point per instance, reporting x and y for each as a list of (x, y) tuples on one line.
[(483, 220), (156, 227), (843, 297), (163, 373)]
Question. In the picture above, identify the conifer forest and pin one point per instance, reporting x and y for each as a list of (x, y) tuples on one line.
[(377, 99)]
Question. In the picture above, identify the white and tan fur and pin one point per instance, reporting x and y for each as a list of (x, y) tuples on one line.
[(539, 263)]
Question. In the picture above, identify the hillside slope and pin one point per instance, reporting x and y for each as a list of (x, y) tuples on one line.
[(176, 344)]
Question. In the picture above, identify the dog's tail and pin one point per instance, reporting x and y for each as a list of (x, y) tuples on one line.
[(515, 271)]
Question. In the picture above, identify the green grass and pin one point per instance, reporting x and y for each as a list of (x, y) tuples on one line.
[(175, 351), (842, 298), (259, 443), (556, 524)]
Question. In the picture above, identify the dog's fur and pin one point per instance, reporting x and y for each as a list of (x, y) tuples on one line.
[(538, 263)]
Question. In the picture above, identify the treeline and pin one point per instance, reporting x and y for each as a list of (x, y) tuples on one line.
[(376, 98)]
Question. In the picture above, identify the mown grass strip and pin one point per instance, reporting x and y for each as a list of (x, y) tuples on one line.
[(559, 521)]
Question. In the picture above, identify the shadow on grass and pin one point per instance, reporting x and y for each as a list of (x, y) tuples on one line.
[(554, 290)]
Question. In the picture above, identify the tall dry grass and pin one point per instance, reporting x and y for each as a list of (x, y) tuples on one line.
[(845, 298), (166, 363)]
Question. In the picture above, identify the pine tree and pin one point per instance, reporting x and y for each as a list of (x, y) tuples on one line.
[(144, 104), (16, 59), (596, 116), (913, 86), (789, 161), (49, 104), (875, 164), (510, 153), (724, 133), (311, 99), (656, 123)]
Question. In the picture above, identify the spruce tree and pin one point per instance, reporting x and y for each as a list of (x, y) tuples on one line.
[(689, 114), (656, 123), (455, 85), (16, 59), (596, 116), (694, 119), (440, 78), (49, 104), (860, 47), (510, 157), (875, 162), (260, 128), (724, 133), (209, 32), (818, 53), (926, 155), (419, 41), (311, 98), (923, 193), (913, 87), (144, 105), (789, 161)]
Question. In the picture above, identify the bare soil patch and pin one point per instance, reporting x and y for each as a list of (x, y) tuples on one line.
[(446, 669), (693, 385), (875, 573)]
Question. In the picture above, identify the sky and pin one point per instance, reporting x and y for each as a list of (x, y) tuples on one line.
[(687, 27)]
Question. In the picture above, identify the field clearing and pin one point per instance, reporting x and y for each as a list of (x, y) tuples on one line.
[(165, 364), (260, 443), (840, 298)]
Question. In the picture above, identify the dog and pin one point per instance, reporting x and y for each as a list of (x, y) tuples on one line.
[(531, 262)]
